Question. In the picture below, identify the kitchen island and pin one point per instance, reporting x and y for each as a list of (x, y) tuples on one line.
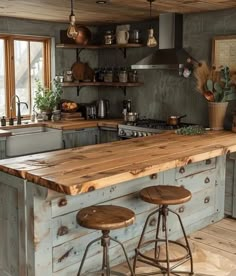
[(41, 195)]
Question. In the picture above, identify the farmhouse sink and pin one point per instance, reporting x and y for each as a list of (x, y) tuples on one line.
[(28, 140)]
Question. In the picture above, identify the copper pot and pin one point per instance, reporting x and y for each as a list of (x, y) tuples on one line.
[(83, 36), (175, 120)]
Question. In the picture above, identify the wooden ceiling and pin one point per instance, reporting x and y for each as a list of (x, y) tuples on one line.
[(88, 12)]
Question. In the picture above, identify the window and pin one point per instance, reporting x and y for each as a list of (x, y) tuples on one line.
[(23, 59)]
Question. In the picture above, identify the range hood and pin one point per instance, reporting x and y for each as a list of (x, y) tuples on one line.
[(170, 53)]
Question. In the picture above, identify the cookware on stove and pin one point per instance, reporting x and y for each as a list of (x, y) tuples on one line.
[(175, 120), (131, 116)]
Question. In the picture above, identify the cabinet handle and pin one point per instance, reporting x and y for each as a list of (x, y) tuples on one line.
[(207, 180), (208, 161), (63, 230), (153, 176), (182, 170), (181, 209), (207, 199), (62, 202)]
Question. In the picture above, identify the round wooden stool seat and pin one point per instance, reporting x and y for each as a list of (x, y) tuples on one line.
[(105, 217), (165, 195)]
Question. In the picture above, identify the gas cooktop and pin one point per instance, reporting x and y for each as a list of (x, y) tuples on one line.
[(145, 127)]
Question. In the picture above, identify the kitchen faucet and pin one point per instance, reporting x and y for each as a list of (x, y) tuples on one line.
[(18, 107)]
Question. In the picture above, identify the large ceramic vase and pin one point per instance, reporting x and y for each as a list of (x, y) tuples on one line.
[(216, 113)]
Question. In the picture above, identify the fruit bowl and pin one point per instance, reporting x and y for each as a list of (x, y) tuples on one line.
[(69, 106)]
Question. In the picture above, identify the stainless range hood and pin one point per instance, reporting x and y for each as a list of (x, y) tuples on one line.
[(170, 53)]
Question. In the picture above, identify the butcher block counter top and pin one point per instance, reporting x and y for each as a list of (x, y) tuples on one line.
[(64, 125), (85, 169)]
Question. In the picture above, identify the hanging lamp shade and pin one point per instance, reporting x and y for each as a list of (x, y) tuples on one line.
[(72, 29), (151, 41)]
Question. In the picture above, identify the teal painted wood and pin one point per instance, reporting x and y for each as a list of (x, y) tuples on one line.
[(108, 135), (2, 148), (230, 186), (51, 252), (80, 137)]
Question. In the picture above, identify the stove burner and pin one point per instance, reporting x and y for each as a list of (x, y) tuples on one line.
[(156, 124)]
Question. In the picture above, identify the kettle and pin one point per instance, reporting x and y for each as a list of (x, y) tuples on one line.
[(103, 107)]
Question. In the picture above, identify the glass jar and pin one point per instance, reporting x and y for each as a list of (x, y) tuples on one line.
[(68, 77), (108, 75), (123, 75), (133, 76)]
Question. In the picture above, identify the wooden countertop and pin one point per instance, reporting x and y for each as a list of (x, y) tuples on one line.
[(80, 170), (64, 125)]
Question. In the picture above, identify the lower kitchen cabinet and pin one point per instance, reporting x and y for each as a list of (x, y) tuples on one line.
[(80, 137), (45, 239), (2, 148), (108, 134), (230, 186)]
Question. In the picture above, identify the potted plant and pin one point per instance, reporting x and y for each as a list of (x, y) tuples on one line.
[(218, 87), (47, 99)]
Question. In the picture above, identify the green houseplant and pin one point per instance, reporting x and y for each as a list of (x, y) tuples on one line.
[(218, 87), (47, 99)]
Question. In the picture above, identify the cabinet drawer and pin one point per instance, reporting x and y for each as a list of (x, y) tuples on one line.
[(198, 181), (195, 168)]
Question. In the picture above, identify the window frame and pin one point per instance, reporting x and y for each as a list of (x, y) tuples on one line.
[(10, 66)]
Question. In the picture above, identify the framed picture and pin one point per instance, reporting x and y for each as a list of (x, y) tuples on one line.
[(224, 51)]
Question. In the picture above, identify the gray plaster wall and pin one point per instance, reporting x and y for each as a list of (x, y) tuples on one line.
[(165, 93), (61, 59)]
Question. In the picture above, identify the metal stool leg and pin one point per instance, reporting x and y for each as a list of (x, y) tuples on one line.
[(142, 236), (186, 240), (85, 254), (165, 229), (105, 242), (127, 259), (157, 236)]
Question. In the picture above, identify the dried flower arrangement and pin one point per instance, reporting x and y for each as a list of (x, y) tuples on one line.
[(216, 85)]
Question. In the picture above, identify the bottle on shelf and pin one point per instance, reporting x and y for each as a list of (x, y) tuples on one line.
[(3, 121)]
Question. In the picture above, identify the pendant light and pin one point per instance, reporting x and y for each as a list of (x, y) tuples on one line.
[(151, 42), (72, 30)]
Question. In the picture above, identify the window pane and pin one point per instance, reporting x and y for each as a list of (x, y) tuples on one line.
[(2, 79), (36, 65), (21, 54)]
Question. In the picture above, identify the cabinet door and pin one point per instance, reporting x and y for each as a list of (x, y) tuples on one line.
[(69, 139), (2, 148), (85, 137), (108, 135)]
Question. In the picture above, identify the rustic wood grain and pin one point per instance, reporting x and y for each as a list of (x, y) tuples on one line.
[(105, 217), (165, 195), (116, 11), (80, 170), (4, 133)]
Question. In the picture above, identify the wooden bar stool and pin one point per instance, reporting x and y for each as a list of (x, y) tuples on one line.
[(105, 218), (163, 196)]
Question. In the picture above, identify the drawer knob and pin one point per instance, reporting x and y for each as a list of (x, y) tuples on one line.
[(182, 170), (208, 161), (207, 199), (63, 230), (207, 180), (62, 202), (153, 176), (181, 209)]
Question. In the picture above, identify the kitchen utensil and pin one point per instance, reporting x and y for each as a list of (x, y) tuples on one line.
[(109, 38), (175, 120), (82, 71), (131, 116), (103, 107), (209, 96), (122, 37), (83, 35), (134, 36)]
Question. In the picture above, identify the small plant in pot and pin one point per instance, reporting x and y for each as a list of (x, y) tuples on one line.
[(47, 99), (218, 87)]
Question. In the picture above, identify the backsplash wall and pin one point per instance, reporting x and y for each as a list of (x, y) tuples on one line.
[(164, 93)]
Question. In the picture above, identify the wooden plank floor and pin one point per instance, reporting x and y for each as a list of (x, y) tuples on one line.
[(213, 248)]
